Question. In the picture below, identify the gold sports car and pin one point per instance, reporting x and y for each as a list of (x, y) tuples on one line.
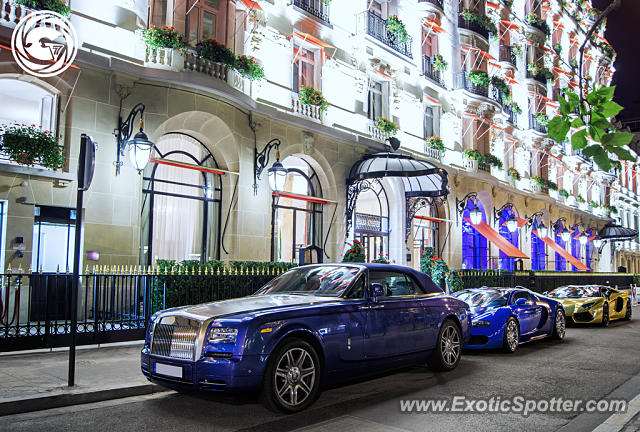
[(592, 303)]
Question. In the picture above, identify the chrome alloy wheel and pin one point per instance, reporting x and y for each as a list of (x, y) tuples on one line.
[(295, 377), (512, 335), (450, 345), (561, 325)]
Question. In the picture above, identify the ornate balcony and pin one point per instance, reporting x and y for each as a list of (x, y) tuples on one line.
[(539, 78), (376, 27), (11, 13), (473, 26), (511, 116), (463, 82), (309, 111), (536, 125), (316, 8), (429, 71), (507, 55)]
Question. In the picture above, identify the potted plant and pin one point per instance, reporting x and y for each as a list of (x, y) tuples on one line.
[(435, 147), (557, 47), (29, 145), (496, 165), (397, 27), (515, 108), (439, 63), (539, 71), (471, 158), (473, 15), (212, 50), (386, 126), (382, 259), (537, 22), (582, 203), (355, 253), (541, 118), (249, 68), (502, 86), (312, 97), (516, 49), (58, 6), (573, 63), (563, 193), (165, 47), (479, 78)]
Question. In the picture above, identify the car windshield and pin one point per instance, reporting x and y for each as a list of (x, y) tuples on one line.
[(575, 292), (330, 281), (488, 298)]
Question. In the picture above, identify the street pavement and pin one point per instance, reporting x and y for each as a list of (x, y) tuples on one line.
[(591, 363)]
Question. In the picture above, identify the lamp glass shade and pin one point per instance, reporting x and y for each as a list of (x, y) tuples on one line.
[(583, 239), (277, 176), (512, 224), (565, 235), (543, 230), (475, 215), (140, 150)]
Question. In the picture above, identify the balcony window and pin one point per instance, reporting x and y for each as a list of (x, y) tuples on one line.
[(159, 13), (377, 100), (304, 68), (429, 122), (372, 23), (27, 104), (206, 19)]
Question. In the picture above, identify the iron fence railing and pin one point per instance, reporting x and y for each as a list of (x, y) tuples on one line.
[(376, 27), (512, 117), (439, 3), (540, 78), (317, 8), (536, 125), (429, 71), (113, 305), (463, 82)]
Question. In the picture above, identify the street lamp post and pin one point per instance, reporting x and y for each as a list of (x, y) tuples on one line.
[(139, 147), (277, 173)]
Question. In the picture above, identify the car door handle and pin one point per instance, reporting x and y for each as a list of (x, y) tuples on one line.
[(364, 307), (377, 307)]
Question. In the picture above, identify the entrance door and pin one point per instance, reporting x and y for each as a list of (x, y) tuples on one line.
[(53, 239)]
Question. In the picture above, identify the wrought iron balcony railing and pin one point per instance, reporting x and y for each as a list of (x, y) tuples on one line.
[(438, 3), (429, 71), (315, 7), (473, 26), (536, 125), (512, 117), (463, 82), (540, 78), (507, 55), (376, 27)]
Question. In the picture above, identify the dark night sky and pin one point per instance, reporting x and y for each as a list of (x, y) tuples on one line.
[(624, 34)]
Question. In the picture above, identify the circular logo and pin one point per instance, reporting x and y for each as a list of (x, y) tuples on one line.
[(44, 44)]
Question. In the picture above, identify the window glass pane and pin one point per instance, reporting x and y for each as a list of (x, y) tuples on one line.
[(208, 25), (306, 78), (428, 122), (159, 12), (212, 3), (193, 27), (395, 284)]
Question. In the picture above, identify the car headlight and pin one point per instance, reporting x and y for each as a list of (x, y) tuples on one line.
[(588, 305), (223, 335), (481, 323)]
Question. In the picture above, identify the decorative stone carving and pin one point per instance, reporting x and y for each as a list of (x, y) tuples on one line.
[(308, 143)]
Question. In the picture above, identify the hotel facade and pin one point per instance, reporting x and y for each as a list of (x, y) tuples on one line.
[(471, 74)]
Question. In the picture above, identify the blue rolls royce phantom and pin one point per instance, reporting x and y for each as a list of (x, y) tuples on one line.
[(310, 327)]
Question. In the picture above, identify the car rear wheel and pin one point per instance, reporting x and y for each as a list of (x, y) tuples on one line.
[(292, 377), (605, 315), (446, 355), (629, 312), (511, 336), (559, 325)]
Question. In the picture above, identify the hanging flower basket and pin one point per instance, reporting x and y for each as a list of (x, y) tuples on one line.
[(311, 96), (249, 68), (397, 27), (474, 154), (29, 145), (435, 142), (439, 63), (386, 126), (58, 6), (479, 78)]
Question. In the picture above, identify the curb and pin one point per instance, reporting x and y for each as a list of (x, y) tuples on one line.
[(74, 397)]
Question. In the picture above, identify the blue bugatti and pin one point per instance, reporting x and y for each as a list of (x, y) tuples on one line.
[(506, 317), (310, 327)]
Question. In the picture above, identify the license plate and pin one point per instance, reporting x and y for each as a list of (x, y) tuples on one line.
[(168, 370)]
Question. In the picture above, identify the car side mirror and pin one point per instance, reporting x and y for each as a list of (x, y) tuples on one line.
[(376, 290), (521, 302)]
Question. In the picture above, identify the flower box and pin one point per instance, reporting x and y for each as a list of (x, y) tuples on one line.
[(164, 58)]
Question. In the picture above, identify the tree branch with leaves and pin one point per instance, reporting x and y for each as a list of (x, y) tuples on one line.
[(589, 113)]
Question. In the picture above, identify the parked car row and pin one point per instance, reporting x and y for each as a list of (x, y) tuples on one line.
[(320, 325)]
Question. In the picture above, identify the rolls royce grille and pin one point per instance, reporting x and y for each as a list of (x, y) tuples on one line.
[(175, 339)]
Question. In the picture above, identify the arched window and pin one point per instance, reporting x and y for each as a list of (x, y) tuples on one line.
[(561, 263), (372, 220), (297, 222), (474, 244), (506, 262), (181, 206), (538, 249)]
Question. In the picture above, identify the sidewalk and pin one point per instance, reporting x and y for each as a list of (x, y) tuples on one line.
[(37, 381)]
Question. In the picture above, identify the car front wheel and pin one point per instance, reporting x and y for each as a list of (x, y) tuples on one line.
[(511, 337), (446, 355), (292, 377)]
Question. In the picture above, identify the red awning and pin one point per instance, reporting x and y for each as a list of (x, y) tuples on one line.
[(493, 5), (251, 4), (309, 38), (484, 54), (494, 237), (434, 26), (509, 25), (563, 253)]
